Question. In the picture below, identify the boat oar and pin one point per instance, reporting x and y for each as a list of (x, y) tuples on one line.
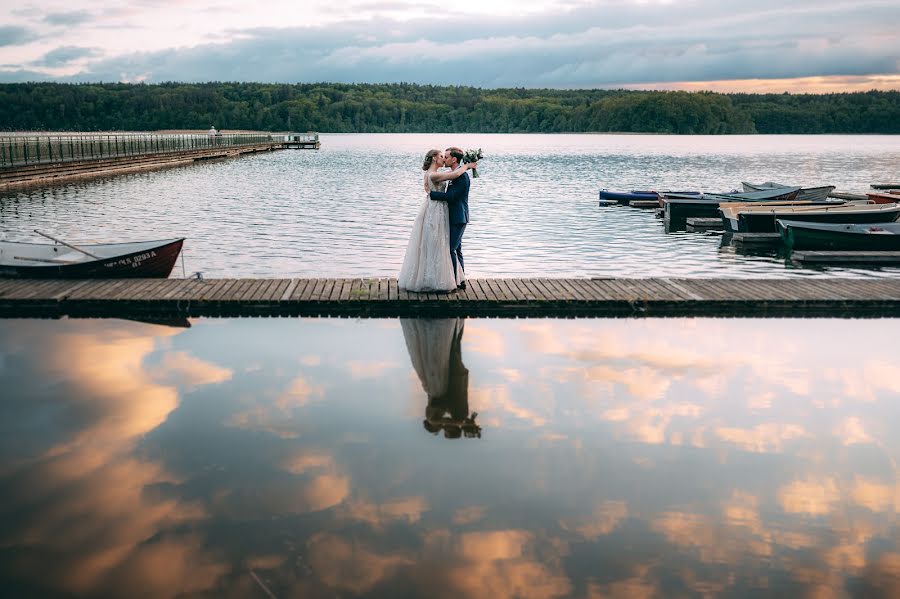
[(69, 245)]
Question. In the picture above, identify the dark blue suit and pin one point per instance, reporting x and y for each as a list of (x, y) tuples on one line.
[(457, 198)]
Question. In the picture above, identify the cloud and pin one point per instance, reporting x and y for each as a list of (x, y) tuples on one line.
[(74, 17), (64, 55), (600, 44), (12, 35)]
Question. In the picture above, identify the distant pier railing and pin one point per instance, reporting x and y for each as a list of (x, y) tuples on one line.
[(23, 150)]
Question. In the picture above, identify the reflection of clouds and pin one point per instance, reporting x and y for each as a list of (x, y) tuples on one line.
[(497, 407), (763, 438), (318, 484), (468, 515), (310, 360), (810, 496), (650, 424), (876, 496), (500, 563), (484, 340), (852, 431), (637, 587), (866, 381), (379, 515), (349, 565), (277, 417), (367, 370), (187, 371), (91, 532), (605, 517)]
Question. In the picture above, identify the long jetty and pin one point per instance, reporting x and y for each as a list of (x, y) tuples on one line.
[(34, 160), (559, 298)]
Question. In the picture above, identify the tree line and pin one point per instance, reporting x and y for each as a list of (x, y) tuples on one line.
[(411, 108)]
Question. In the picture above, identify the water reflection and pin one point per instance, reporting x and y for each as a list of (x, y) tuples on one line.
[(671, 457), (434, 347)]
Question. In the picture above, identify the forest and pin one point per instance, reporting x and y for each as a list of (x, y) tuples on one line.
[(411, 108)]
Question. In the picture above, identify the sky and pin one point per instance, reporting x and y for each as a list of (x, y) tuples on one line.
[(813, 46)]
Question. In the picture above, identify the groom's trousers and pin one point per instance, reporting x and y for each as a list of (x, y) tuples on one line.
[(456, 255)]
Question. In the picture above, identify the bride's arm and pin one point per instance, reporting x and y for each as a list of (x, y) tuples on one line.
[(438, 177)]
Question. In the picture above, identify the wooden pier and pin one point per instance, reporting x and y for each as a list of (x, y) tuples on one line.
[(561, 298), (29, 161)]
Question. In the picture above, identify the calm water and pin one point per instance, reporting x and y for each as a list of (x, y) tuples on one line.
[(347, 209), (324, 457)]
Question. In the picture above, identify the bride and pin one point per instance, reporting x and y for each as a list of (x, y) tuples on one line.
[(427, 266)]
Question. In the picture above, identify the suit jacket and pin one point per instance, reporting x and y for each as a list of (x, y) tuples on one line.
[(457, 198)]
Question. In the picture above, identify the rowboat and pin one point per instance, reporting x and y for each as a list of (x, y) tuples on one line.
[(887, 197), (801, 235), (626, 197), (812, 194), (144, 259), (679, 207), (756, 218)]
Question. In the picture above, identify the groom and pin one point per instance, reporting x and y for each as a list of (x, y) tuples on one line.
[(457, 198)]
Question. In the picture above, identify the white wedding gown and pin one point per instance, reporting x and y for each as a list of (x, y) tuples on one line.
[(427, 266)]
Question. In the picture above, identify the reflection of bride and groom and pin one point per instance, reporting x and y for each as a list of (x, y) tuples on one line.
[(435, 351)]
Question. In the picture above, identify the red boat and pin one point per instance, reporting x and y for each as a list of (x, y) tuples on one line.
[(885, 197), (139, 259)]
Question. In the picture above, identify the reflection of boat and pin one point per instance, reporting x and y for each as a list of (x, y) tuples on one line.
[(434, 347), (748, 218), (145, 259), (178, 322), (799, 235), (812, 194)]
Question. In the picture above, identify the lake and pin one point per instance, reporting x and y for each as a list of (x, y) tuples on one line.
[(449, 458), (346, 210)]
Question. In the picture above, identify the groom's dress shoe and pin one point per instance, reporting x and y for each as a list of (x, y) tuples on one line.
[(461, 285)]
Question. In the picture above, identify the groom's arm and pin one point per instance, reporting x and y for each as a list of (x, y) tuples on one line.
[(454, 194)]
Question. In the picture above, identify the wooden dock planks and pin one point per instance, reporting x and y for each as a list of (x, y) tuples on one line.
[(381, 297)]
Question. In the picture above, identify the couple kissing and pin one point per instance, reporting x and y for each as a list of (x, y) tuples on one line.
[(434, 256)]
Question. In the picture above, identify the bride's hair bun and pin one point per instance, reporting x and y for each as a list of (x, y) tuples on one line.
[(429, 158)]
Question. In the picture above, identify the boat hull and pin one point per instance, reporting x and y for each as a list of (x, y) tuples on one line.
[(810, 194), (678, 211), (796, 236), (155, 262), (625, 197), (766, 222)]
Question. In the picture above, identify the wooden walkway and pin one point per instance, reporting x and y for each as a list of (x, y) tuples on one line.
[(485, 297)]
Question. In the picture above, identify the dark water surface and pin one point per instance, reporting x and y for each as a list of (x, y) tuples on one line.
[(346, 210), (317, 457)]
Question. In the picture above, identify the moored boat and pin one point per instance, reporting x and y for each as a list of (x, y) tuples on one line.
[(626, 197), (886, 197), (756, 218), (804, 235), (140, 259), (812, 194), (680, 207)]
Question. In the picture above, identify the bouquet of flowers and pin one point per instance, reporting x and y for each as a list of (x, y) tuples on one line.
[(473, 156)]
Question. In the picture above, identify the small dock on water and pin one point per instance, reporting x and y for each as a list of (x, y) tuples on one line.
[(509, 298), (28, 160)]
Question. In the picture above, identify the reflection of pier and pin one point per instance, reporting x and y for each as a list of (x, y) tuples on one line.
[(29, 160), (483, 297)]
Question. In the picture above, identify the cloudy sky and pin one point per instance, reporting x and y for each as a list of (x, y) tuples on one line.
[(723, 45)]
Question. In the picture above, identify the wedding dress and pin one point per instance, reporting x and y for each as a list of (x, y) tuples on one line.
[(427, 266)]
